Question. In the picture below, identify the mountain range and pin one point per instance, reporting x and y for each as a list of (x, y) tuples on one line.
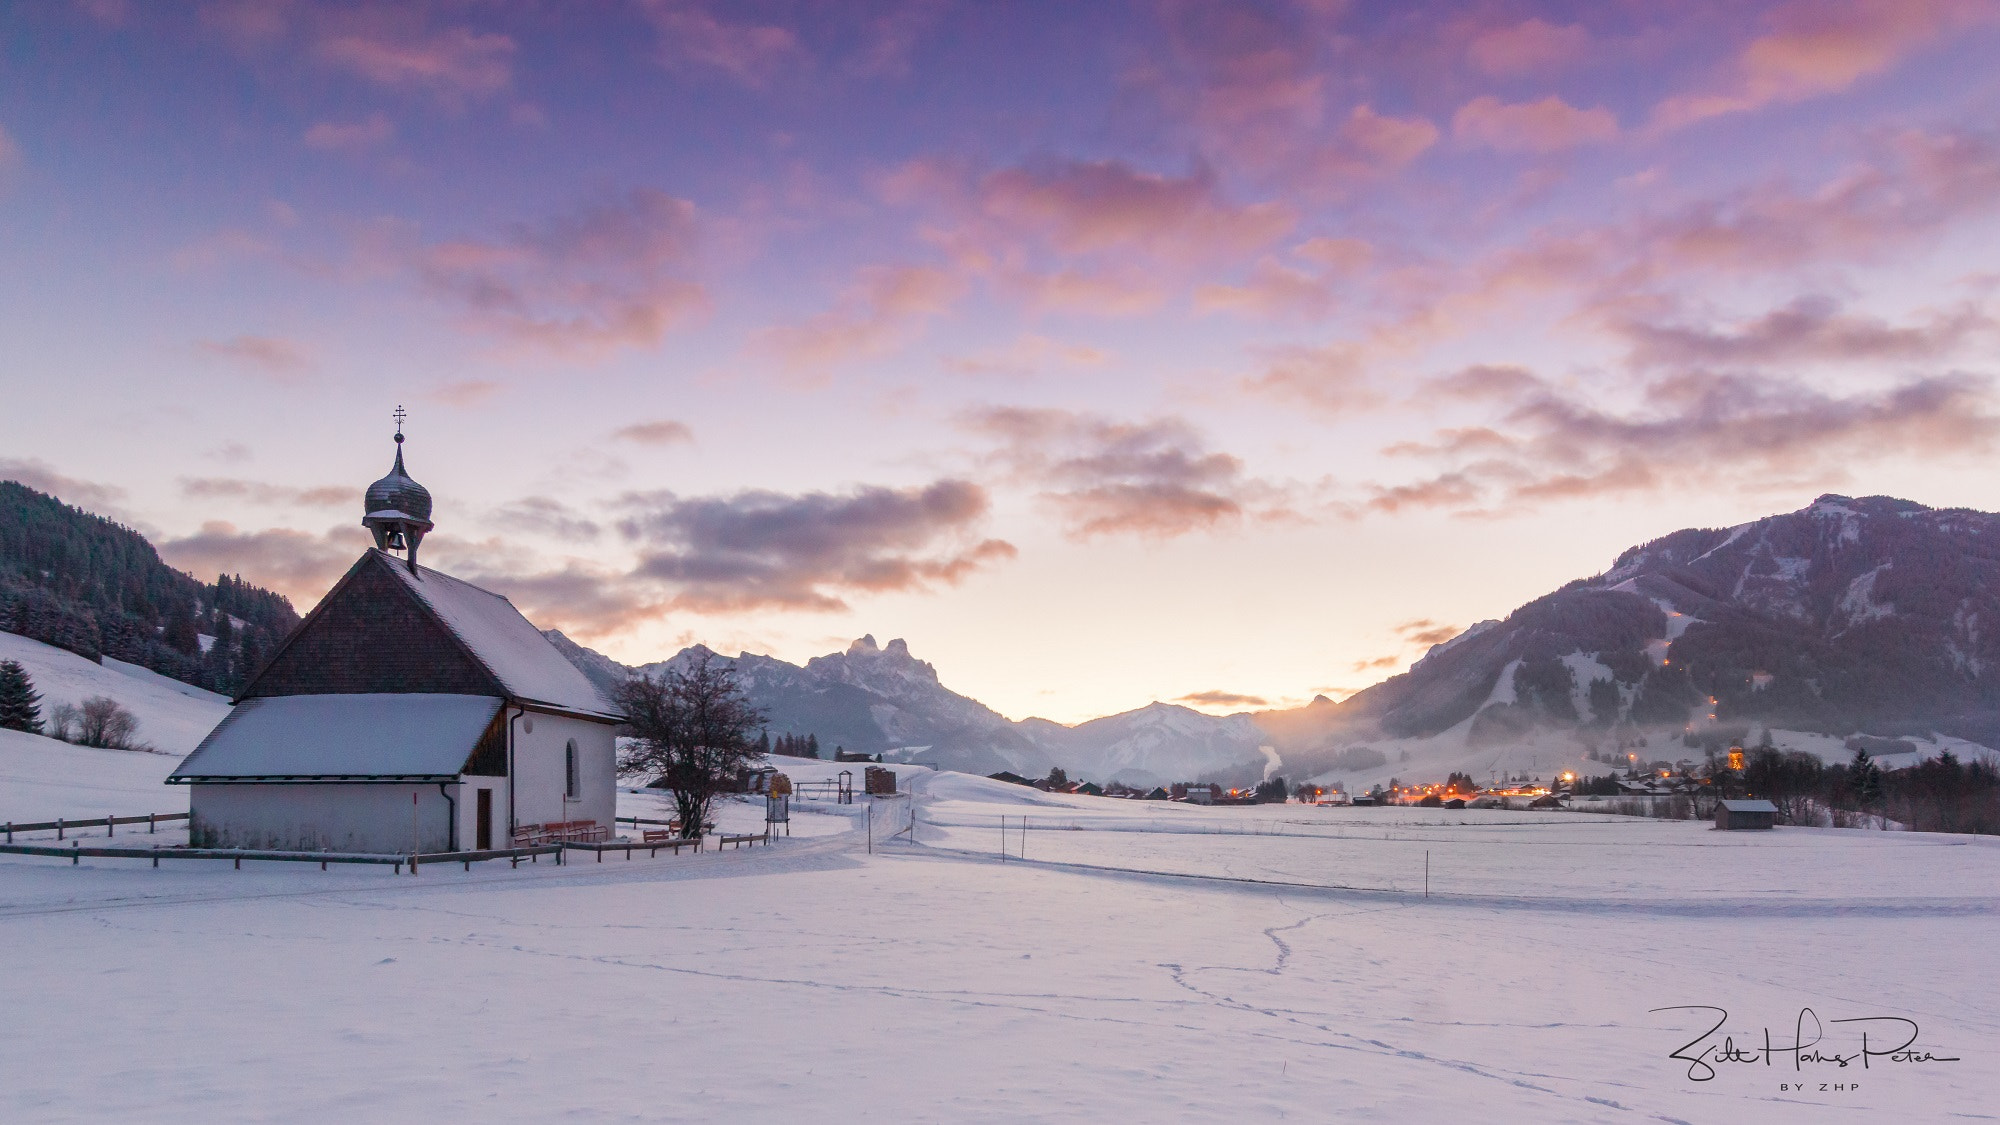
[(1872, 615), (1869, 615), (880, 699)]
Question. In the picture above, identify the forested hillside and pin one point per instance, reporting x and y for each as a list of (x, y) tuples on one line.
[(81, 582)]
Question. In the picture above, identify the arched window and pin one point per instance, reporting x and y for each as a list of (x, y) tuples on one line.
[(570, 785)]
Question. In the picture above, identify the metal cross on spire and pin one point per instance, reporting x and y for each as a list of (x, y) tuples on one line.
[(399, 416)]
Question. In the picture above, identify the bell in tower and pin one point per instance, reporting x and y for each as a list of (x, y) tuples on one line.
[(397, 509)]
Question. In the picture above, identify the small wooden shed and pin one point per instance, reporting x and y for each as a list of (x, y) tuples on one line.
[(1746, 814), (879, 782)]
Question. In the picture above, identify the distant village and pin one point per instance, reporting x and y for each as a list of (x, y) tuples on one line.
[(1677, 790)]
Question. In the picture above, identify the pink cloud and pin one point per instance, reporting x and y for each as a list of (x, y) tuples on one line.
[(39, 475), (264, 492), (1549, 125), (1223, 699), (760, 549), (1247, 66), (1424, 632), (1332, 377), (1103, 477), (1088, 207), (270, 356), (611, 274), (464, 392), (336, 136), (1689, 428), (1917, 184), (893, 36), (1302, 283), (1031, 354), (395, 50), (1273, 289), (1818, 47), (692, 36), (880, 310), (1533, 46), (1807, 330), (1108, 291), (665, 431), (1096, 237), (1376, 142), (1255, 84), (1910, 189)]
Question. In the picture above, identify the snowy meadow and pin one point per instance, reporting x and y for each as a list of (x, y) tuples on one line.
[(1146, 961)]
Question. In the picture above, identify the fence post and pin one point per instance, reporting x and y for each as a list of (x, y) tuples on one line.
[(152, 823), (110, 826), (59, 828)]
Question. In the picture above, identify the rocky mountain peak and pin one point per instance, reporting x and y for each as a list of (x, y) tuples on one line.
[(873, 666)]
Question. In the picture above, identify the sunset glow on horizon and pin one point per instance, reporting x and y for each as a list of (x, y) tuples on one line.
[(1214, 353)]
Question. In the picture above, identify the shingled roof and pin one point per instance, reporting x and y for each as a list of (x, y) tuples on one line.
[(389, 628)]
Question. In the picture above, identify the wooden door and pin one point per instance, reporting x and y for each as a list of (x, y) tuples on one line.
[(483, 839)]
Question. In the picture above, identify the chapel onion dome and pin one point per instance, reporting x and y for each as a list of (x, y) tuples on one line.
[(397, 509), (397, 495)]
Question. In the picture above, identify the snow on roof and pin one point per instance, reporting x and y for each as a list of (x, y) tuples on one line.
[(342, 736), (1750, 806), (524, 661)]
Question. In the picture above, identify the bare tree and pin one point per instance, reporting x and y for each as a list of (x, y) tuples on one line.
[(63, 718), (103, 723), (690, 733)]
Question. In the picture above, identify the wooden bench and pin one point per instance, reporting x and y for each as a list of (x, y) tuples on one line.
[(561, 832), (650, 847)]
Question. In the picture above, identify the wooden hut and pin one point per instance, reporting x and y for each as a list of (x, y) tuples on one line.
[(1746, 814)]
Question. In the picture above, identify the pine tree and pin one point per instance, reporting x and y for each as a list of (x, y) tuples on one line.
[(812, 746), (20, 706), (1865, 780)]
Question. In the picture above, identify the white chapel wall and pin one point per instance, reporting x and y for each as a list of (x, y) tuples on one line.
[(539, 771), (351, 817)]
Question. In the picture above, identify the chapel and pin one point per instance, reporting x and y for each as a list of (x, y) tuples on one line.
[(409, 711)]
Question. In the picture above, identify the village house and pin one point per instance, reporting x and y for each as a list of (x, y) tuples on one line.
[(408, 711)]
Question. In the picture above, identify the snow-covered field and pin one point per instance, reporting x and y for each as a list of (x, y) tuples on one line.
[(815, 981)]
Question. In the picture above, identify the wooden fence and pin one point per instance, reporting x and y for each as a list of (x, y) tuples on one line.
[(110, 824), (77, 850)]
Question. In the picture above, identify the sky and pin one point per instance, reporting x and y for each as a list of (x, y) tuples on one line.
[(1215, 353)]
